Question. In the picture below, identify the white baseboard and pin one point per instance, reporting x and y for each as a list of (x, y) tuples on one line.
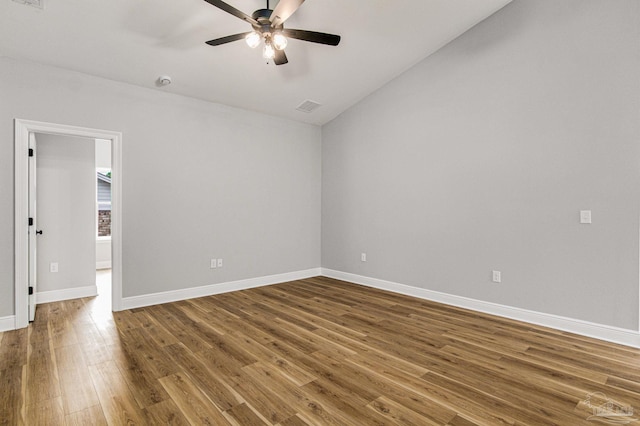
[(7, 323), (105, 264), (208, 290), (66, 294), (585, 328)]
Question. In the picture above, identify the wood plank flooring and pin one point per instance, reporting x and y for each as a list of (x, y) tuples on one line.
[(310, 352)]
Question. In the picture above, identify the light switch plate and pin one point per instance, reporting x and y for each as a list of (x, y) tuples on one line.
[(585, 216)]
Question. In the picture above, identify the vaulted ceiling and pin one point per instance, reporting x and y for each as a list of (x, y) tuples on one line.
[(136, 41)]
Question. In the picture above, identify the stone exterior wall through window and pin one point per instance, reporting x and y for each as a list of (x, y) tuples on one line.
[(104, 223)]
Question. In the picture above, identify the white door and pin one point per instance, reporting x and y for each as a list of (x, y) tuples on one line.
[(32, 227)]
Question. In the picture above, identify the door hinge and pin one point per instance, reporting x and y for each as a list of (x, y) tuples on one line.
[(30, 290), (30, 152), (30, 221)]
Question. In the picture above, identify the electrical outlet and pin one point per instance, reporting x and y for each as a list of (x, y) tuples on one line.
[(363, 257), (585, 216), (53, 267), (219, 263), (214, 264), (496, 276)]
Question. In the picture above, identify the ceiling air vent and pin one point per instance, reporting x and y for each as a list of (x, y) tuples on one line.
[(35, 3), (307, 106)]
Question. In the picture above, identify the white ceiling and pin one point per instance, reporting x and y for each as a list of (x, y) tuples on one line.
[(136, 41)]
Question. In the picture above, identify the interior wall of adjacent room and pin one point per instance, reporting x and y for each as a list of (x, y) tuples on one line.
[(200, 180), (65, 212), (481, 157)]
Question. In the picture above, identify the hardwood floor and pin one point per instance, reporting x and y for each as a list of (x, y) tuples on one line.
[(310, 352)]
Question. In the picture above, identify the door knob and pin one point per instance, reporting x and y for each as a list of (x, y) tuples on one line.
[(39, 232)]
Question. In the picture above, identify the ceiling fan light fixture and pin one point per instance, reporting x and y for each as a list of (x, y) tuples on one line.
[(253, 39), (268, 52), (279, 41), (268, 25)]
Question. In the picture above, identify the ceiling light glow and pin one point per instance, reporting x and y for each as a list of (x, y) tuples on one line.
[(268, 52), (279, 41), (253, 39)]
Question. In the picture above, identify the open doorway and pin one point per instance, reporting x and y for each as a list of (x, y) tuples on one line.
[(24, 132), (63, 253)]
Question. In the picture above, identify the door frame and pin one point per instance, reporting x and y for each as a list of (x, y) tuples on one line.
[(22, 129)]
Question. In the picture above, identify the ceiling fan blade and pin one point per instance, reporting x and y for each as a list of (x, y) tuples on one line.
[(283, 11), (227, 39), (312, 36), (280, 58), (232, 10)]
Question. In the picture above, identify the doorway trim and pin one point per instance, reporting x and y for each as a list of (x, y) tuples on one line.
[(22, 130)]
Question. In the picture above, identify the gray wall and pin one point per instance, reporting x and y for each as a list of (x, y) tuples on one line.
[(65, 203), (482, 156), (235, 185)]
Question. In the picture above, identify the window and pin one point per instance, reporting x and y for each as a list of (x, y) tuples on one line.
[(104, 202)]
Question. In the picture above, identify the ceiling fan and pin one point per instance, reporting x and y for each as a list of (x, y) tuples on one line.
[(268, 26)]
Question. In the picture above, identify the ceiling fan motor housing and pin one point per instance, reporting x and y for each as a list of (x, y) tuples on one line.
[(262, 16)]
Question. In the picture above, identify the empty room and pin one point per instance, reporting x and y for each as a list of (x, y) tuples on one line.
[(320, 212)]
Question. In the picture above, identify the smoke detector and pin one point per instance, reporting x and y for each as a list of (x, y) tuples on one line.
[(308, 106), (163, 80), (35, 3)]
